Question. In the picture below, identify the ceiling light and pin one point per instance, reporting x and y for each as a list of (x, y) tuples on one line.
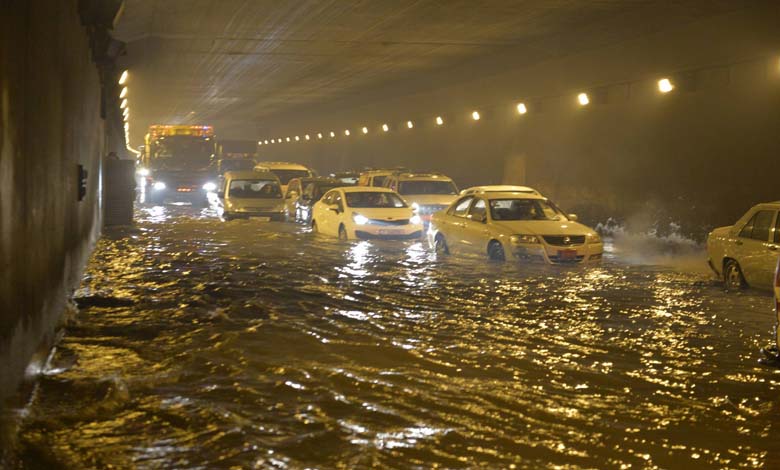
[(123, 105), (475, 115), (439, 121), (123, 93), (297, 139), (266, 142), (126, 111), (259, 142), (385, 127), (365, 130), (409, 124), (306, 137), (288, 139), (123, 78), (319, 135), (346, 132), (521, 109), (332, 134), (583, 99), (273, 141), (665, 85)]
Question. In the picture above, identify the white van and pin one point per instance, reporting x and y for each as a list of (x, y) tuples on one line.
[(245, 194), (285, 171)]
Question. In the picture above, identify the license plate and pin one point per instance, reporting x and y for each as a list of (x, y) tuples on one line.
[(567, 254), (389, 232), (263, 219)]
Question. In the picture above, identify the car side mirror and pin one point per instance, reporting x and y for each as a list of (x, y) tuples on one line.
[(482, 218), (334, 208), (573, 217)]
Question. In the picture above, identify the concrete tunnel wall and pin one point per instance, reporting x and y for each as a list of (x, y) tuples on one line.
[(49, 123), (699, 156)]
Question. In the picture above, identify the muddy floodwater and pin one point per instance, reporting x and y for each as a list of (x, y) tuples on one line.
[(201, 344)]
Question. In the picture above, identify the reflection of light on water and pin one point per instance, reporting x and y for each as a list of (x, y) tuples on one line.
[(359, 257), (156, 214)]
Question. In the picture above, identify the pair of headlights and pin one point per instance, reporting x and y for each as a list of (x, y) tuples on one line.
[(532, 239), (363, 220), (210, 187)]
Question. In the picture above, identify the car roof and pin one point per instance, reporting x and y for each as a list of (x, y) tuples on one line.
[(509, 195), (319, 179), (423, 176), (250, 174), (500, 188), (282, 165), (366, 189)]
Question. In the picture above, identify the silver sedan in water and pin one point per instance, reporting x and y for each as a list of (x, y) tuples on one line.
[(745, 254)]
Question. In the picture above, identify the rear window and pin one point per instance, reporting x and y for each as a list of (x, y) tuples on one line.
[(254, 189), (427, 187)]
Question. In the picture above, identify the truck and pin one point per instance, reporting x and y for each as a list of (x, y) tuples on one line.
[(178, 163)]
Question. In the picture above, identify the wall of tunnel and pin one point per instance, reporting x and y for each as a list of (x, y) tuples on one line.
[(696, 158), (50, 122)]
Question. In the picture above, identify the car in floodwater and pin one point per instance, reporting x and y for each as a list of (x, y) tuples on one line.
[(500, 188), (285, 171), (427, 193), (514, 226), (377, 176), (364, 212), (313, 190), (349, 178), (745, 254), (246, 194)]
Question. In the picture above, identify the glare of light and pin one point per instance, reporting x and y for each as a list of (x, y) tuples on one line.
[(123, 105), (126, 117), (439, 121), (143, 171), (415, 220), (365, 130), (158, 185), (126, 111), (521, 108), (360, 219), (665, 85), (346, 132), (307, 137), (288, 139), (266, 142), (409, 124), (259, 142), (319, 135), (297, 139), (583, 99), (385, 127), (273, 141), (332, 134), (210, 187), (123, 93), (475, 115), (123, 78), (127, 127)]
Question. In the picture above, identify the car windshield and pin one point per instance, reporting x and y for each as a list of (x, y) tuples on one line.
[(255, 189), (524, 209), (426, 187), (374, 200), (286, 175)]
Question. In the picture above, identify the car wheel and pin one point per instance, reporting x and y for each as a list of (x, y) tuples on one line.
[(496, 251), (343, 233), (732, 276), (440, 245)]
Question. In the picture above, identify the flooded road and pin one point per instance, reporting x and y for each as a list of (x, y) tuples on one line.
[(257, 345)]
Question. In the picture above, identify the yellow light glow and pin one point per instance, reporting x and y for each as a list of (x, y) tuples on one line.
[(319, 135), (288, 139), (385, 127), (126, 117), (127, 127), (665, 85), (123, 93), (346, 132), (521, 109), (273, 141), (297, 139), (439, 121), (259, 142), (365, 130), (583, 99), (332, 134), (126, 111), (307, 137), (409, 124), (266, 142), (475, 115), (123, 78), (123, 105)]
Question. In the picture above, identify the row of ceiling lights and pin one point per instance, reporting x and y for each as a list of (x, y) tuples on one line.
[(664, 86), (123, 105)]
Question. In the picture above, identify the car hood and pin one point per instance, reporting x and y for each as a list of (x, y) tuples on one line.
[(721, 231), (543, 227), (430, 199), (384, 214)]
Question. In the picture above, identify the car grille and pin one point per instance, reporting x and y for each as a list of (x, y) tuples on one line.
[(558, 260), (430, 209), (564, 240), (388, 222)]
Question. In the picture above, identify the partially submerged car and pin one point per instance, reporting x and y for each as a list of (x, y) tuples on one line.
[(302, 193), (285, 171), (245, 194), (514, 226), (745, 254), (427, 193)]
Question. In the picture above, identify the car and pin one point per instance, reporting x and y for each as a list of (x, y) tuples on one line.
[(364, 212), (499, 188), (348, 177), (376, 177), (425, 192), (313, 190), (745, 254), (514, 226), (245, 194), (285, 171)]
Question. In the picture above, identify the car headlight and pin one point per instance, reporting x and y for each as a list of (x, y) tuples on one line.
[(415, 220), (210, 187), (143, 172), (521, 239), (158, 185), (360, 219), (594, 238)]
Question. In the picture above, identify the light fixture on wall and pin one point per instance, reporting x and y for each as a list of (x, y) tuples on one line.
[(583, 99), (123, 105), (365, 130), (123, 78), (319, 135), (306, 137), (665, 85), (385, 127), (288, 139), (297, 139), (439, 121), (521, 108), (123, 93), (475, 115), (346, 132), (409, 124), (266, 142), (332, 134)]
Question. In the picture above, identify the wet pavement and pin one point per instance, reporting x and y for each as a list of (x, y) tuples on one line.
[(258, 345)]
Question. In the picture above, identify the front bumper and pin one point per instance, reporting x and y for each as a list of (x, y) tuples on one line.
[(551, 254), (272, 215), (388, 232), (365, 235)]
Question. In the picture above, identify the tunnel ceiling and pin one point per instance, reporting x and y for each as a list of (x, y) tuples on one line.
[(242, 64)]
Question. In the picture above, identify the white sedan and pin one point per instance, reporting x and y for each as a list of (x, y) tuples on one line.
[(509, 225), (365, 212), (745, 254)]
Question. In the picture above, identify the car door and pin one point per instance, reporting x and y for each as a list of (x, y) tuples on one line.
[(756, 249), (475, 231), (338, 214), (453, 224), (321, 213)]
